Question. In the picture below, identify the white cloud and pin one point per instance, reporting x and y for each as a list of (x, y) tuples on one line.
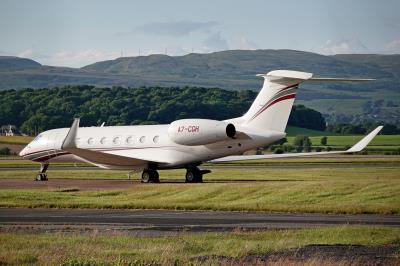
[(215, 42), (332, 47), (79, 59), (393, 47), (172, 28), (69, 59), (246, 44), (28, 53)]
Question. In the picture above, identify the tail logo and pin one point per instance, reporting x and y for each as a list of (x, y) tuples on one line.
[(284, 94)]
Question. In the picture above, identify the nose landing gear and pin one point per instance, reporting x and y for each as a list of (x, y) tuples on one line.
[(42, 176)]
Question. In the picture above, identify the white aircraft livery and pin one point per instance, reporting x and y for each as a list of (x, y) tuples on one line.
[(185, 143)]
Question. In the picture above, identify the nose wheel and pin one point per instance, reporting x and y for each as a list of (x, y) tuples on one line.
[(42, 176)]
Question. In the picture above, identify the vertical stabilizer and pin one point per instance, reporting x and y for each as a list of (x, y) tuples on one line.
[(271, 109)]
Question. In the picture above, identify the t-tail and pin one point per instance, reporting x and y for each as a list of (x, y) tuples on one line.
[(272, 107)]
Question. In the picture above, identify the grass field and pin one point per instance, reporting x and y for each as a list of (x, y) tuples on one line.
[(300, 188), (183, 249), (337, 184), (15, 140), (380, 142), (16, 162)]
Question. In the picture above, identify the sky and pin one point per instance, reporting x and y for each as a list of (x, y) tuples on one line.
[(76, 33)]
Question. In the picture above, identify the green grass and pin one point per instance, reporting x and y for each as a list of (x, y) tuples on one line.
[(55, 249), (379, 142), (322, 160), (332, 189), (20, 163), (15, 139)]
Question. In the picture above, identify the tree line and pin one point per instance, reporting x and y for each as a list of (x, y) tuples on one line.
[(341, 128), (37, 110)]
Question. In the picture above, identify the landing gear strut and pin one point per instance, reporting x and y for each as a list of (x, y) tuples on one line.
[(150, 176), (195, 175), (42, 176)]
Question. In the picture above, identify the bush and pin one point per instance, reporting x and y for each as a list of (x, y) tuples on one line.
[(5, 151), (302, 142), (288, 148), (278, 151)]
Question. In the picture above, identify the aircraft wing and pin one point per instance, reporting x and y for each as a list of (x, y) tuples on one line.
[(99, 158), (355, 148)]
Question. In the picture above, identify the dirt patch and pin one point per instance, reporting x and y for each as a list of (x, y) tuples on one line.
[(319, 255), (68, 185)]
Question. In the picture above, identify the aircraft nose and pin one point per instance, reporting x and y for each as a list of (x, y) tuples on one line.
[(22, 152)]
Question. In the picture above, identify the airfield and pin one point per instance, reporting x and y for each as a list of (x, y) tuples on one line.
[(326, 210)]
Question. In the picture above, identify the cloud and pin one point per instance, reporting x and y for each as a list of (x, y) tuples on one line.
[(392, 47), (343, 47), (215, 42), (246, 44), (28, 53), (79, 59), (70, 59), (173, 28)]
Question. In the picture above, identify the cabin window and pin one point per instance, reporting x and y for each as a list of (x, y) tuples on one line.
[(156, 138), (103, 140), (130, 139), (142, 139), (90, 141), (116, 140)]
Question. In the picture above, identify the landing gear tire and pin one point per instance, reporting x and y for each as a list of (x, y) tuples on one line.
[(194, 176), (150, 176), (42, 176)]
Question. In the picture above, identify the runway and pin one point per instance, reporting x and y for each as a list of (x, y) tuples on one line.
[(159, 222)]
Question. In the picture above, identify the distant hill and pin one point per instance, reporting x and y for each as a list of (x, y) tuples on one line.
[(11, 63), (235, 70)]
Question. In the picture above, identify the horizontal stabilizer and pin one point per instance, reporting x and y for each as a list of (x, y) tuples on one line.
[(338, 80), (286, 74)]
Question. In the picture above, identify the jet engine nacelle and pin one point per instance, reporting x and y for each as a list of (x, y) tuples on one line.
[(200, 131)]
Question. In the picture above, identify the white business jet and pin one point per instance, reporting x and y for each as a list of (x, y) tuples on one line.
[(185, 143)]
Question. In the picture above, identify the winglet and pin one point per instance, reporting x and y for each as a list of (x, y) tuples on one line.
[(70, 139), (364, 142)]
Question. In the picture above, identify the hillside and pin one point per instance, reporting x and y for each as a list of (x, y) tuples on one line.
[(235, 70), (10, 63)]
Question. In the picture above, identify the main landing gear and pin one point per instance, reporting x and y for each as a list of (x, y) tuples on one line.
[(195, 175), (150, 176), (42, 176)]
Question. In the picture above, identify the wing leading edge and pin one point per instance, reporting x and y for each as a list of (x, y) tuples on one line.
[(359, 146)]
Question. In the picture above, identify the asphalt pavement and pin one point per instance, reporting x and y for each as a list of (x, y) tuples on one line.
[(158, 221)]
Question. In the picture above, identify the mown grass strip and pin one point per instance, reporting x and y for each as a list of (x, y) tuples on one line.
[(331, 190), (55, 249)]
